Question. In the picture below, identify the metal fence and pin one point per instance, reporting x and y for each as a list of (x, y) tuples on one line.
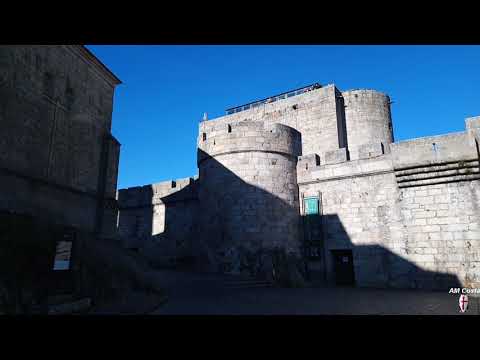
[(272, 99)]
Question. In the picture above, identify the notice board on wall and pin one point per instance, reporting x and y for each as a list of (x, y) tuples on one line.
[(63, 255)]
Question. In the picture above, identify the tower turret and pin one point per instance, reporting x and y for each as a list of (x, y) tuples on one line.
[(368, 121), (248, 190)]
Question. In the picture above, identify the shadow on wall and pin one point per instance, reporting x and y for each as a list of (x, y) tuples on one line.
[(249, 223), (251, 227), (172, 247), (344, 263), (247, 227)]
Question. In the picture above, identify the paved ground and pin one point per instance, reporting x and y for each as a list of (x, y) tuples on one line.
[(133, 303), (198, 294)]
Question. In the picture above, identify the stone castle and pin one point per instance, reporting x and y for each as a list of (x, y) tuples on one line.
[(314, 177)]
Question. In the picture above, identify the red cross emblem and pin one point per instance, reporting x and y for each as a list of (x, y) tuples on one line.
[(463, 303)]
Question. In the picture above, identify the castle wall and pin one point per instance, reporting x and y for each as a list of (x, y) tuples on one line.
[(355, 215), (159, 219), (408, 211), (248, 191), (55, 115), (434, 149), (442, 229), (410, 217), (313, 114)]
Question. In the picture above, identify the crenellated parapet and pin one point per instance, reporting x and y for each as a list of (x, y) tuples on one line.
[(312, 113), (158, 193), (439, 159), (314, 167), (245, 136), (472, 124), (432, 150)]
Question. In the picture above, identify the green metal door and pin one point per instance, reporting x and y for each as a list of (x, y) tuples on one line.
[(312, 225), (311, 206)]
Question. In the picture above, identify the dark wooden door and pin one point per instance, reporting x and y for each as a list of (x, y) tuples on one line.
[(343, 263)]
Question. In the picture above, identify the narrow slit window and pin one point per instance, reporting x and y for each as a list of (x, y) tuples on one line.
[(204, 136), (229, 128)]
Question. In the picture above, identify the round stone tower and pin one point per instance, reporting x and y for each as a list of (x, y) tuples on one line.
[(248, 192), (368, 120)]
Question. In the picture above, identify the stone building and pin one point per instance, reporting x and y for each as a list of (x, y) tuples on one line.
[(58, 158), (315, 173)]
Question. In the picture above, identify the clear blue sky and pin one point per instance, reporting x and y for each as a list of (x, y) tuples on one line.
[(166, 90)]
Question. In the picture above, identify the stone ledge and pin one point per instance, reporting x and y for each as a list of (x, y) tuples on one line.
[(334, 178)]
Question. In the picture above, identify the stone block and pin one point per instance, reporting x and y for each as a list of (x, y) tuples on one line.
[(308, 162), (472, 122), (370, 150), (336, 156)]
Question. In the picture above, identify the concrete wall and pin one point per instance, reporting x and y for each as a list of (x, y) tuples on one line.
[(55, 116)]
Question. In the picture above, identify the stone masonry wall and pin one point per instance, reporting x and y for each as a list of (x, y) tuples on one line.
[(368, 120), (248, 192), (411, 217), (159, 219), (356, 210), (442, 232), (55, 110), (434, 149), (313, 114)]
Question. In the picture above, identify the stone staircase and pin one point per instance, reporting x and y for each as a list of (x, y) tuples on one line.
[(235, 282), (68, 304)]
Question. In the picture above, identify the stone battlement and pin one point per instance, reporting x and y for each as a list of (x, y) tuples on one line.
[(435, 149), (344, 169), (147, 195), (366, 93), (243, 136), (310, 163), (341, 119), (279, 105)]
